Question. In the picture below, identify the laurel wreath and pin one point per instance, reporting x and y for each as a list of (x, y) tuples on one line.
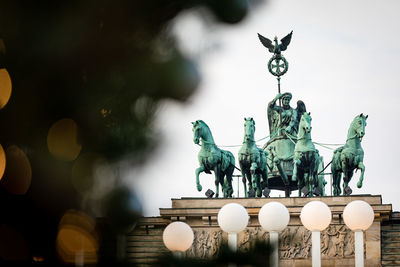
[(279, 59)]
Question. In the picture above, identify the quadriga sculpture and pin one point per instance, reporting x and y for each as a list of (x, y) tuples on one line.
[(252, 161), (349, 157), (306, 158), (211, 158)]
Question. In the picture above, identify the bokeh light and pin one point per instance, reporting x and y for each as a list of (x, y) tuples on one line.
[(5, 87), (76, 217), (2, 162), (77, 239), (18, 172), (13, 246), (62, 140)]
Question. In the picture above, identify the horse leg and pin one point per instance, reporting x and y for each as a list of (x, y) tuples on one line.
[(318, 183), (307, 183), (226, 186), (217, 180), (249, 183), (313, 174), (336, 174), (254, 177), (346, 179), (295, 177), (362, 168), (259, 187), (296, 163), (198, 171), (257, 180), (336, 177), (228, 181), (300, 181), (343, 162), (310, 183), (246, 194), (264, 176)]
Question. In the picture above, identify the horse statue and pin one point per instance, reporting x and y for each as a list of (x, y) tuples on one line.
[(211, 158), (253, 161), (306, 159), (349, 157)]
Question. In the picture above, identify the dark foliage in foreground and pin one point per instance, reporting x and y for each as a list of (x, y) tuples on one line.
[(258, 256), (106, 65)]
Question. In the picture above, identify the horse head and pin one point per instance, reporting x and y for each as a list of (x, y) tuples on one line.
[(305, 122), (358, 125), (196, 132), (249, 129), (201, 131)]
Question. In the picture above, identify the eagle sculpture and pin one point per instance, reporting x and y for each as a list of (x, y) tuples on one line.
[(277, 48)]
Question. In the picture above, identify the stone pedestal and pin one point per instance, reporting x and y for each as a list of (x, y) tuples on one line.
[(337, 241)]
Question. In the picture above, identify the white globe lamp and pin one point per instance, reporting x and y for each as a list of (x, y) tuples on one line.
[(358, 215), (316, 216), (178, 237), (233, 218), (274, 218)]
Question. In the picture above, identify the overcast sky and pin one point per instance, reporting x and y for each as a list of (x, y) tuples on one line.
[(344, 59)]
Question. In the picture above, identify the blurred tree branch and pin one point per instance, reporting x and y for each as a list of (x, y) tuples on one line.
[(97, 63)]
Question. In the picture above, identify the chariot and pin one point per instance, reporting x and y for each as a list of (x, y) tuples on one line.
[(288, 161)]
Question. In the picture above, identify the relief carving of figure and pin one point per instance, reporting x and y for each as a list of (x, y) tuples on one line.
[(324, 241), (306, 244), (244, 244), (205, 244), (336, 241), (341, 234), (216, 242), (295, 242), (202, 246), (193, 249), (350, 244), (286, 236)]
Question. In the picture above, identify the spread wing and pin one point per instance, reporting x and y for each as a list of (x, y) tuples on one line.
[(301, 108), (285, 41), (267, 43)]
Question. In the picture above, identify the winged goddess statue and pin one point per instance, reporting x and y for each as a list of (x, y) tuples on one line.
[(277, 65)]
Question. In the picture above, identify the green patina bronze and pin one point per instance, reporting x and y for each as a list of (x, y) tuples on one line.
[(277, 65), (252, 161), (289, 160), (283, 119), (306, 158), (349, 157), (211, 158), (283, 123)]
